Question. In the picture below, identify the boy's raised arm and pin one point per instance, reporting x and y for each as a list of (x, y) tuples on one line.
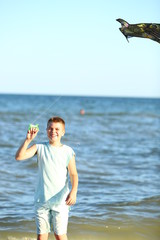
[(24, 152)]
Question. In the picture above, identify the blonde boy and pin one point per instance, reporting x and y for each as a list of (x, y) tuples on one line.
[(52, 196)]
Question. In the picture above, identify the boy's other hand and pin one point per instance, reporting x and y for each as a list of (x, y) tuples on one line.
[(71, 198)]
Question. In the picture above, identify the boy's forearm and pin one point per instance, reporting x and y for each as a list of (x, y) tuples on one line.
[(20, 154), (74, 182), (71, 198)]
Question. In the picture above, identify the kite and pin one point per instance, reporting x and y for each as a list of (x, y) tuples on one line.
[(142, 30), (33, 126)]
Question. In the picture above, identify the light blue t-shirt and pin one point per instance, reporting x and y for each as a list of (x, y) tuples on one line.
[(52, 182)]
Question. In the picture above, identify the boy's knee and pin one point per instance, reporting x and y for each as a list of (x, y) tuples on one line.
[(61, 237), (42, 236)]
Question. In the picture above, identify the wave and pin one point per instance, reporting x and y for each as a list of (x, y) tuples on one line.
[(150, 200), (6, 145)]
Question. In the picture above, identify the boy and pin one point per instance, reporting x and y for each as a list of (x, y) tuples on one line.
[(52, 196)]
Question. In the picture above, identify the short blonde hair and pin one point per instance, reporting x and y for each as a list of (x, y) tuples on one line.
[(56, 120)]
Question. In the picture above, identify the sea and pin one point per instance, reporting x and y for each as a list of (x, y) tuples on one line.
[(117, 146)]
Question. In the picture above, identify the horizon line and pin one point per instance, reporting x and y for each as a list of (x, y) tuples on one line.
[(79, 95)]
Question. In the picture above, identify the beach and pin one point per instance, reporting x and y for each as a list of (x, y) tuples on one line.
[(116, 142), (98, 231)]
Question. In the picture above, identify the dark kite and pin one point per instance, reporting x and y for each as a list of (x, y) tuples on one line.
[(142, 30)]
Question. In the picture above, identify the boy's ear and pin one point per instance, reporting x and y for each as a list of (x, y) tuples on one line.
[(63, 133)]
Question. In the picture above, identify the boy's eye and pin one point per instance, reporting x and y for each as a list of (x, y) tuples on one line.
[(50, 129)]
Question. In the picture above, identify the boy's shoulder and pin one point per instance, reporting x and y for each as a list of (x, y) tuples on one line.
[(41, 145), (68, 149)]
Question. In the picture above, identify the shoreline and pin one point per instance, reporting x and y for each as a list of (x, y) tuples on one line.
[(138, 230)]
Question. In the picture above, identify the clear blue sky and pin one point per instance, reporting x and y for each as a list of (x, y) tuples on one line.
[(75, 48)]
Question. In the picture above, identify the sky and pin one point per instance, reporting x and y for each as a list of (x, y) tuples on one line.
[(71, 47)]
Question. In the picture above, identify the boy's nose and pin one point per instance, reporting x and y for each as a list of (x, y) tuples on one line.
[(52, 130)]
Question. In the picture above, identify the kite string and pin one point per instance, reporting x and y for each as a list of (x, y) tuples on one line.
[(77, 143), (44, 112)]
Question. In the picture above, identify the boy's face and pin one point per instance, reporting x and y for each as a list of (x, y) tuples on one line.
[(55, 131)]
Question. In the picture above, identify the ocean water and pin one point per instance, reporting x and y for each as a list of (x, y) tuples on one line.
[(117, 145)]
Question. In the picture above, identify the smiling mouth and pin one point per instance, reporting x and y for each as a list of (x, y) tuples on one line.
[(53, 136)]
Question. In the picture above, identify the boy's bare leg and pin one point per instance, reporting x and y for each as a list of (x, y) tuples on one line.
[(61, 237), (42, 236)]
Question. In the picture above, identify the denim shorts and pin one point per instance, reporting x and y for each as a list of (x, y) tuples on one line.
[(47, 218)]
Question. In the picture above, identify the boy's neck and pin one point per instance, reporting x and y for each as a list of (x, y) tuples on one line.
[(55, 144)]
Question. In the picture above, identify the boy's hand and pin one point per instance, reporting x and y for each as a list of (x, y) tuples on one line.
[(32, 133), (71, 198)]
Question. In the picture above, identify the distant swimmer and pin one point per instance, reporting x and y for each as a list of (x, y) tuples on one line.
[(82, 112)]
